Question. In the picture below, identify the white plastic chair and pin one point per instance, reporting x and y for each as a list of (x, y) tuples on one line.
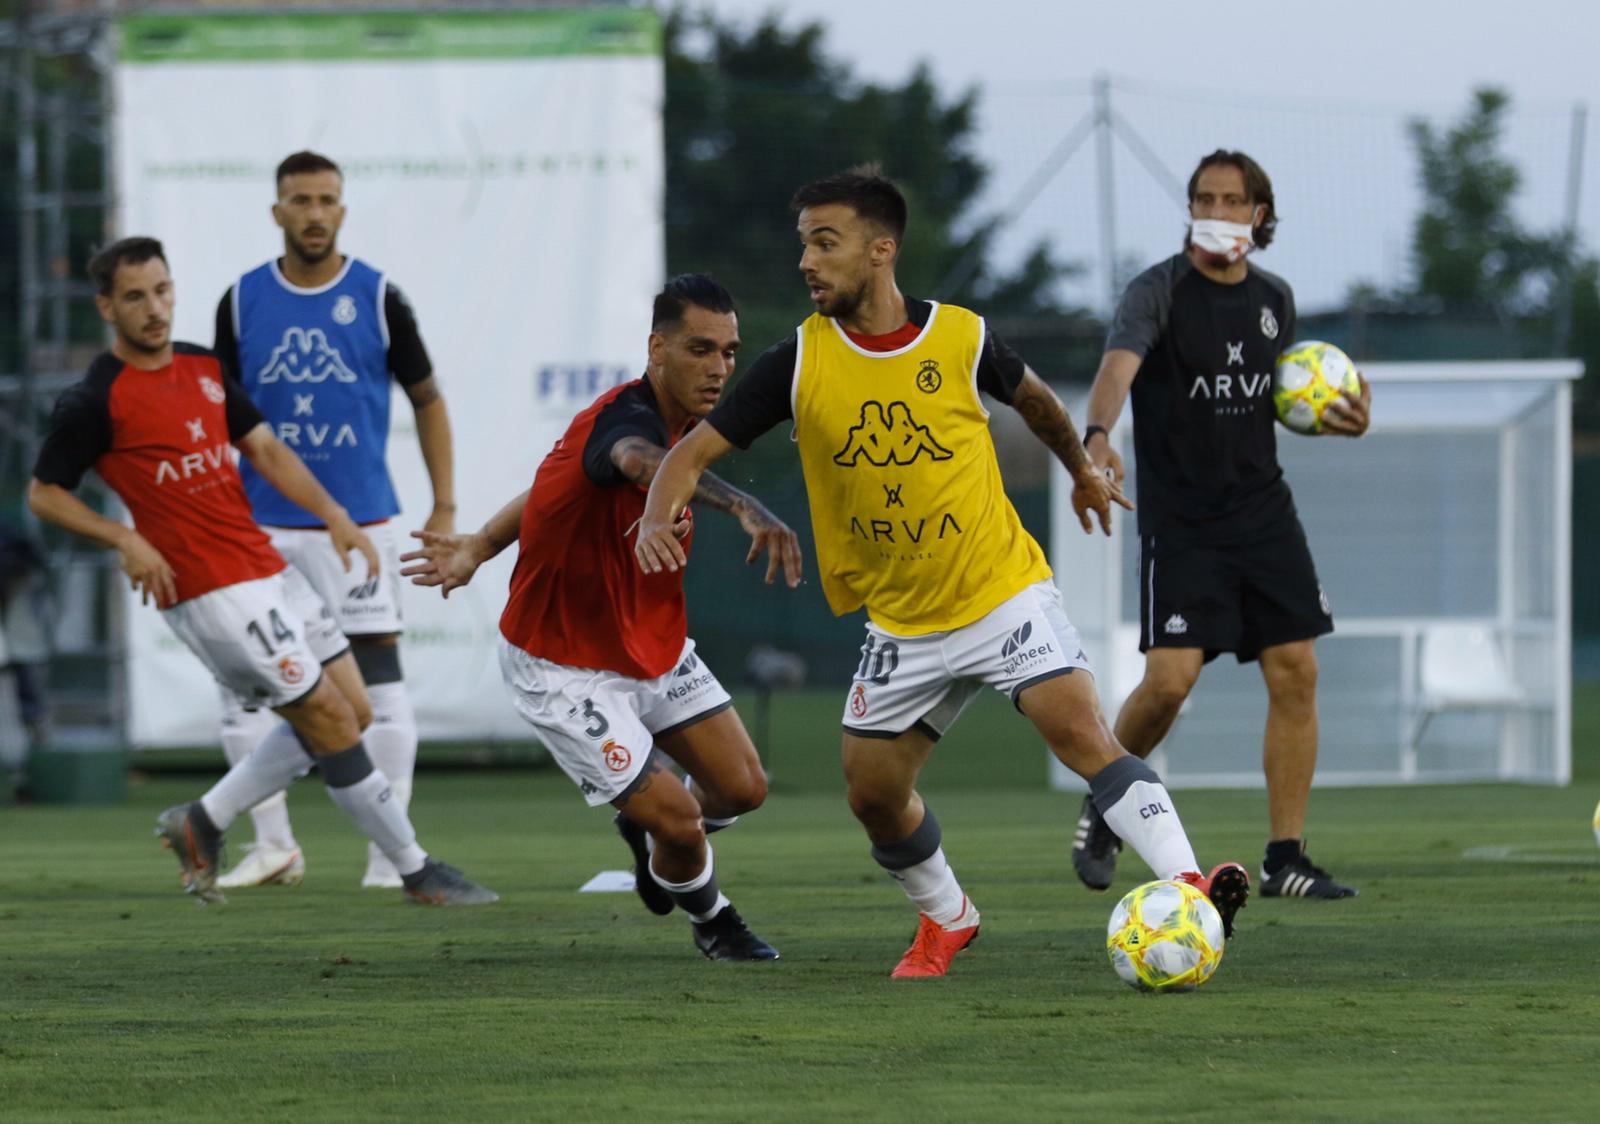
[(1462, 667)]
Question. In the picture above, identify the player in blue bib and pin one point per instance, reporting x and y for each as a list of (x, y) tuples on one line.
[(316, 337)]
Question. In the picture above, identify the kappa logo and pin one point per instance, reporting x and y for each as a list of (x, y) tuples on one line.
[(1269, 323), (616, 757), (304, 355), (1017, 639), (888, 437), (588, 788), (928, 377), (1176, 625), (212, 389), (344, 310)]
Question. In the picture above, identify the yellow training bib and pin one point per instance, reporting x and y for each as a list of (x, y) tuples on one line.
[(910, 514)]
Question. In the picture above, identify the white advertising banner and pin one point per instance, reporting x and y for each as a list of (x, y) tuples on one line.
[(503, 168)]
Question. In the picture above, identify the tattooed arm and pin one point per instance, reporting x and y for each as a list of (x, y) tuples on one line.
[(638, 459), (1048, 419)]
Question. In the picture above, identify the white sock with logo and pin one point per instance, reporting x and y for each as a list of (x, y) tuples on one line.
[(242, 731), (1140, 810), (391, 742), (266, 771), (365, 795)]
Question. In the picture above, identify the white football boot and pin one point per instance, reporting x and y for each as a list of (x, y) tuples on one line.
[(265, 865)]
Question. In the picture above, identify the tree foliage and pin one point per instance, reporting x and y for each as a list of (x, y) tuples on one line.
[(1469, 251), (751, 114)]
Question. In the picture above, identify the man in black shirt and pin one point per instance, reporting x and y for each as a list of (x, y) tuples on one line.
[(1224, 565)]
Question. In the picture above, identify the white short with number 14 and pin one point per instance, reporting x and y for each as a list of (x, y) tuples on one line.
[(264, 640)]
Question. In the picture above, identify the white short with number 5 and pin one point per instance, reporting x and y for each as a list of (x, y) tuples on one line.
[(264, 640), (600, 726)]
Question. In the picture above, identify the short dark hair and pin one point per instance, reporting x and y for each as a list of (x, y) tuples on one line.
[(127, 251), (1257, 185), (698, 289), (297, 162), (864, 189)]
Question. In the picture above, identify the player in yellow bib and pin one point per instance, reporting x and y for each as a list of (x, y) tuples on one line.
[(912, 522)]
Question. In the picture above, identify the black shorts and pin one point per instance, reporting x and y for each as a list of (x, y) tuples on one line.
[(1239, 595)]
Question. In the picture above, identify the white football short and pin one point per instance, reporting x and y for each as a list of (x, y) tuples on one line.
[(265, 640), (927, 681), (600, 726), (363, 605)]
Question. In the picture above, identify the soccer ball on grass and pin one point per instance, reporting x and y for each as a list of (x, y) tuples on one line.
[(1165, 936), (1310, 375)]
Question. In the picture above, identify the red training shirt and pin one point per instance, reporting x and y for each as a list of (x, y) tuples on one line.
[(163, 441), (578, 597)]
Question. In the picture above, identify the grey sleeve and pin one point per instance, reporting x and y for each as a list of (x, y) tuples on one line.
[(1141, 315)]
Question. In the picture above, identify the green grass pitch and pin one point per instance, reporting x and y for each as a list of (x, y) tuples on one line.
[(1456, 987)]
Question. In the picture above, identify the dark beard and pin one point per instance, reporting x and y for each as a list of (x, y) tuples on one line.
[(306, 256), (844, 305), (139, 345)]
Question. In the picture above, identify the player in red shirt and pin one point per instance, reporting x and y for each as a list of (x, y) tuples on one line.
[(156, 419), (597, 654)]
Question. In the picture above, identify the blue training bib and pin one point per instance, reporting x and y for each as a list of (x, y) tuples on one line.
[(315, 362)]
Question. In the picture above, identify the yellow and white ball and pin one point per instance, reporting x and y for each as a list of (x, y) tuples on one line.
[(1309, 376), (1165, 936)]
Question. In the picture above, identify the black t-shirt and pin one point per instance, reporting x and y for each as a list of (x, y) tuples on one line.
[(633, 413), (761, 398), (407, 357), (1203, 419)]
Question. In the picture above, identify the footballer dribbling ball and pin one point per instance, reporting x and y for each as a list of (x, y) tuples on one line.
[(1310, 375), (1165, 936)]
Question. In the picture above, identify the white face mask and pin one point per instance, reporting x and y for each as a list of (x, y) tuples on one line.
[(1227, 240)]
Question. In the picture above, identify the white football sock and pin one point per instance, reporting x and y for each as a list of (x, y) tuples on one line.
[(932, 887), (371, 804), (242, 731), (391, 742), (276, 763), (1146, 819)]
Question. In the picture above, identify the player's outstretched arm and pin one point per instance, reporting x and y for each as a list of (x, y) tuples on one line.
[(1349, 417), (1118, 368), (657, 547), (285, 471), (449, 561), (640, 460), (147, 571), (1092, 490), (438, 452)]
